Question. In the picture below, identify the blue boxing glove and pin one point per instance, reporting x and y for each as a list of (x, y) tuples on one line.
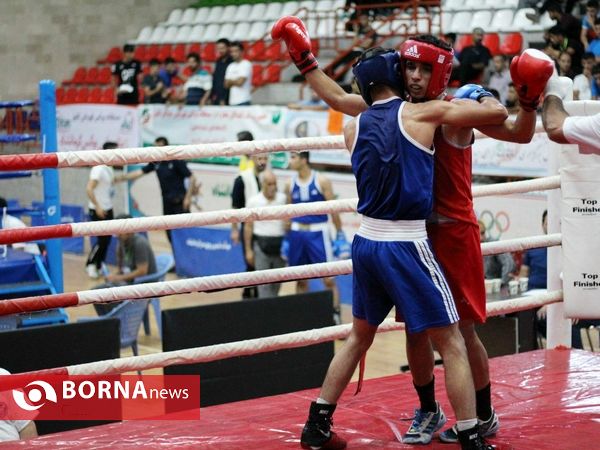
[(341, 247), (472, 92), (285, 248)]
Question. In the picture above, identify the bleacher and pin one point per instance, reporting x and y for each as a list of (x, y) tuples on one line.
[(507, 28)]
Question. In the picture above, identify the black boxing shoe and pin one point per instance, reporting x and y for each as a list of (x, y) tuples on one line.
[(471, 440), (317, 434)]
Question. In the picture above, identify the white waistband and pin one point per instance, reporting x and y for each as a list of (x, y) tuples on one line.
[(319, 226), (392, 230)]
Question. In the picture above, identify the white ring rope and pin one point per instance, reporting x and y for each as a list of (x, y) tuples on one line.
[(520, 244), (123, 156), (273, 343), (517, 187)]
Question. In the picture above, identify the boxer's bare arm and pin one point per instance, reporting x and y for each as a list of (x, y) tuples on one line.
[(334, 95), (553, 117), (519, 129)]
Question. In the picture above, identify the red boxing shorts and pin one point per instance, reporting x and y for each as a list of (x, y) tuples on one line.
[(458, 250)]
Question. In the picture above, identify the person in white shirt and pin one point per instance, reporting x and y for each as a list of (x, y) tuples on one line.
[(499, 77), (262, 239), (582, 83), (9, 222), (15, 430), (100, 191), (238, 77)]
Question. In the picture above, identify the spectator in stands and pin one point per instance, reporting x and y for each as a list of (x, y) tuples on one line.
[(262, 239), (498, 76), (450, 38), (154, 89), (596, 82), (474, 59), (564, 65), (594, 46), (168, 75), (8, 221), (558, 43), (496, 266), (198, 83), (314, 103), (126, 76), (563, 17), (175, 179), (219, 93), (512, 99), (588, 33), (582, 84), (14, 430), (238, 76), (534, 264)]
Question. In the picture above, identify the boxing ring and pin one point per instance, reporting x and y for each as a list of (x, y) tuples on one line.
[(547, 399)]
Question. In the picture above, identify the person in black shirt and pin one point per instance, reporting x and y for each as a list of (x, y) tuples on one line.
[(172, 176), (474, 59), (154, 89), (126, 73), (219, 94)]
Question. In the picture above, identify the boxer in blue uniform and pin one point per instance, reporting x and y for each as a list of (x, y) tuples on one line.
[(392, 159)]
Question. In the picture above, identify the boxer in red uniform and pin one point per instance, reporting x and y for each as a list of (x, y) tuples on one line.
[(453, 228)]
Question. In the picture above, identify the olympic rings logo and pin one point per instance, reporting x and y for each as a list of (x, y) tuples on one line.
[(495, 225)]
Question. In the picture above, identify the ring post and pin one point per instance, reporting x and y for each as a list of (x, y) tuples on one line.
[(52, 213)]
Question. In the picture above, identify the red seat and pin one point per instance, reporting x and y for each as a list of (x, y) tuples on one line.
[(492, 42), (193, 48), (140, 53), (256, 52), (315, 46), (209, 52), (60, 94), (512, 44), (114, 55), (164, 52), (152, 52), (273, 73), (78, 76), (70, 95), (95, 95), (257, 75), (108, 95), (274, 52), (104, 76), (92, 76), (178, 53), (464, 40), (82, 95)]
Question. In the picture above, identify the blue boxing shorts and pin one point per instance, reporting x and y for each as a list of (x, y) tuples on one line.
[(309, 244), (393, 265)]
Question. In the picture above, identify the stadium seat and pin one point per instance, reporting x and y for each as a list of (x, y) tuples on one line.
[(274, 52), (454, 5), (227, 29), (258, 12), (60, 94), (164, 52), (273, 11), (474, 6), (462, 41), (70, 95), (188, 16), (197, 33), (211, 33), (178, 53), (257, 75), (309, 5), (174, 17), (193, 48), (108, 95), (323, 5), (522, 23), (183, 34), (503, 4), (228, 13), (256, 51), (492, 42), (289, 8), (315, 45), (242, 29), (170, 34), (215, 15), (511, 44), (104, 75), (446, 21), (144, 35), (78, 76), (113, 55), (481, 19), (242, 13), (272, 73), (502, 20), (91, 77), (95, 95), (140, 53), (257, 31), (201, 15), (152, 52), (157, 35), (461, 23), (209, 52), (326, 27)]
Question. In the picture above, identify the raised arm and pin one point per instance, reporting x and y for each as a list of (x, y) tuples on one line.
[(520, 129)]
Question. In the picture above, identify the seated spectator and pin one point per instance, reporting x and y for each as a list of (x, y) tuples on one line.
[(15, 430), (474, 59), (198, 83), (314, 103), (558, 43), (588, 33), (512, 100), (169, 76), (564, 66), (219, 93), (582, 83), (496, 266), (498, 77), (8, 222), (596, 82), (594, 46), (154, 89), (565, 20), (535, 266), (238, 77)]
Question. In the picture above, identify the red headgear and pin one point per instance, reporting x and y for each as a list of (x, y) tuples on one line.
[(439, 59)]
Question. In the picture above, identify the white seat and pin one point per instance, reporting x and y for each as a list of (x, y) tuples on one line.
[(242, 13), (241, 32), (170, 35), (212, 33), (481, 19), (183, 34), (258, 12), (197, 33), (453, 5), (323, 5), (289, 8), (502, 20), (522, 23), (460, 22), (144, 35), (174, 17), (310, 5), (202, 15), (326, 28), (226, 30), (215, 14), (157, 35), (188, 16), (273, 12), (335, 4), (503, 4), (257, 31), (229, 13), (446, 21), (475, 5)]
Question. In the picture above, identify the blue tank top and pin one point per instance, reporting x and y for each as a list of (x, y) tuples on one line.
[(394, 173), (307, 192)]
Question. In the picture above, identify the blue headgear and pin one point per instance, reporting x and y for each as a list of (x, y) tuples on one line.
[(377, 66)]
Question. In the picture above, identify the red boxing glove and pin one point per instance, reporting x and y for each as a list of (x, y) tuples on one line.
[(292, 30), (530, 72)]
